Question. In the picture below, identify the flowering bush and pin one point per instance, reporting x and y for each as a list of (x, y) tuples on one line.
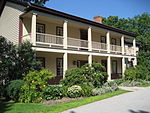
[(74, 91), (34, 86), (94, 74), (53, 92)]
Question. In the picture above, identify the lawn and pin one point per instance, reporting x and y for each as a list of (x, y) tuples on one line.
[(38, 108)]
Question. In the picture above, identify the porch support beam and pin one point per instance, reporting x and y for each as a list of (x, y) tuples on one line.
[(108, 41), (134, 46), (65, 34), (122, 44), (123, 66), (135, 62), (109, 67), (90, 59), (33, 29), (90, 39), (65, 63)]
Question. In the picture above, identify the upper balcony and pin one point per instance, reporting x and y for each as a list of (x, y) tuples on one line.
[(55, 33)]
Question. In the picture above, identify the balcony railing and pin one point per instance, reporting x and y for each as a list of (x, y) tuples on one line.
[(129, 50), (99, 46), (57, 41), (77, 43), (116, 48), (48, 39)]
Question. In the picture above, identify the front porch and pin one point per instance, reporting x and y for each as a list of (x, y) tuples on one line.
[(58, 63)]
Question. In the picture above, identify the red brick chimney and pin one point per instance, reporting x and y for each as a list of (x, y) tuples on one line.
[(98, 19)]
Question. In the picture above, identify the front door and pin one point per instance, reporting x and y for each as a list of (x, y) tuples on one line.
[(83, 36), (114, 66), (104, 63)]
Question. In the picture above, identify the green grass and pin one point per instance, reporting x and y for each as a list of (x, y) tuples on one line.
[(144, 85), (38, 108)]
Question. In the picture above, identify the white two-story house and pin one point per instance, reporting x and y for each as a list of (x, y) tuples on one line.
[(63, 41)]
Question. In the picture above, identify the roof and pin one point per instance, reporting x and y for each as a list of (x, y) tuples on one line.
[(71, 17)]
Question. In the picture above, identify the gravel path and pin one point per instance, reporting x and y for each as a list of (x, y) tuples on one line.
[(132, 102)]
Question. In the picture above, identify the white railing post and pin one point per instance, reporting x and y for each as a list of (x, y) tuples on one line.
[(65, 34), (134, 46), (109, 67), (90, 39), (65, 63), (90, 59), (33, 29), (108, 41), (122, 44)]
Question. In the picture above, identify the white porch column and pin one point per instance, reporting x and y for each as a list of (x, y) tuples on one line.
[(122, 44), (135, 62), (33, 29), (108, 41), (134, 46), (123, 66), (65, 63), (90, 39), (109, 67), (65, 34), (90, 59)]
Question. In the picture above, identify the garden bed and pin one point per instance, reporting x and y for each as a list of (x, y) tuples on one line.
[(59, 101)]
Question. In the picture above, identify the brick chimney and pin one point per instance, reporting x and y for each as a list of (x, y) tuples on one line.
[(98, 19)]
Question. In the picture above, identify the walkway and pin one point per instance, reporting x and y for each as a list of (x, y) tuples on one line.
[(132, 102)]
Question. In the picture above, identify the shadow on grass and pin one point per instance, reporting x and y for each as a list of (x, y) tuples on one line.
[(139, 111), (5, 106)]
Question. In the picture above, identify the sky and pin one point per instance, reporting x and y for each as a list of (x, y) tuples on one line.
[(90, 8)]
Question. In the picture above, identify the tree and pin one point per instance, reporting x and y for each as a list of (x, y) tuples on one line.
[(16, 61), (140, 25), (38, 2)]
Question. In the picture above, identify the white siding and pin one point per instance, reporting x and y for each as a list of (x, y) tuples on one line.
[(9, 22)]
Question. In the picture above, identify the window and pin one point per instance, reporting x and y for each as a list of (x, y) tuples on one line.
[(59, 31), (59, 66), (103, 39), (114, 66), (83, 34), (42, 60), (40, 28), (104, 63), (113, 41)]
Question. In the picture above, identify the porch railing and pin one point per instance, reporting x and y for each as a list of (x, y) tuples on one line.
[(42, 38), (54, 40), (129, 50), (116, 48), (77, 43), (99, 46)]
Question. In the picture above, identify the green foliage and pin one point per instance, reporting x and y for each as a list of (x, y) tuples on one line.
[(26, 59), (16, 60), (7, 60), (34, 86), (53, 92), (74, 91), (130, 83), (106, 88), (86, 90), (38, 2), (94, 75), (132, 73), (13, 89)]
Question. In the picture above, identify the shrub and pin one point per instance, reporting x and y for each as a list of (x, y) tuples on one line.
[(34, 86), (74, 91), (119, 81), (132, 74), (88, 74), (129, 83), (106, 88), (12, 89), (53, 92), (86, 90)]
